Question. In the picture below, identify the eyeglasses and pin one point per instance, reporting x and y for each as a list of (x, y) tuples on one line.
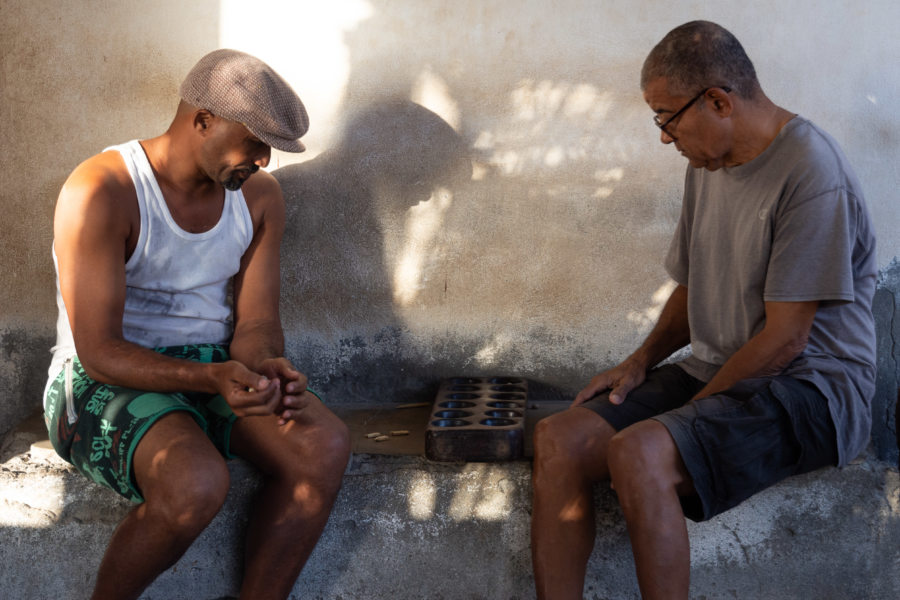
[(678, 113)]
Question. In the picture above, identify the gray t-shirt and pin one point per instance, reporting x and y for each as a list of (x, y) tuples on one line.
[(789, 226)]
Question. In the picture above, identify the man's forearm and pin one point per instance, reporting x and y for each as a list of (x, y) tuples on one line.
[(125, 364), (254, 342), (763, 355), (769, 352)]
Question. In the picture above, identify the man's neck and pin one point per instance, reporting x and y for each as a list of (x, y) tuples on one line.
[(175, 168), (757, 127)]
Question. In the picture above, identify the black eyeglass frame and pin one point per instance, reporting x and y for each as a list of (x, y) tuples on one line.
[(681, 110)]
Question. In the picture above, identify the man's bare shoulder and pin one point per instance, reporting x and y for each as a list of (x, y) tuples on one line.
[(262, 193), (103, 176), (262, 186), (99, 191)]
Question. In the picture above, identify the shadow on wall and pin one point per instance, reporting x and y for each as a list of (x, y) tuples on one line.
[(402, 265), (338, 297)]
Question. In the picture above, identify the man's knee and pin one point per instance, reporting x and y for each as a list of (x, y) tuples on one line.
[(189, 498), (332, 442), (573, 439), (551, 439), (325, 448), (645, 456)]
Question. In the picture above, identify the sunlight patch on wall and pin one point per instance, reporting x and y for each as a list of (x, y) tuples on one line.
[(431, 91), (490, 351), (608, 177), (645, 319), (423, 223), (566, 117), (313, 58)]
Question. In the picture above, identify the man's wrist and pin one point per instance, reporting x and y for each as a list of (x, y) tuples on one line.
[(639, 360), (211, 376)]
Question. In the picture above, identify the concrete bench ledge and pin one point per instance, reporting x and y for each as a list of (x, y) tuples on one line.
[(408, 528)]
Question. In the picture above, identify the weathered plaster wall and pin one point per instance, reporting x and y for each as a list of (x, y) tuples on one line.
[(76, 77), (484, 191)]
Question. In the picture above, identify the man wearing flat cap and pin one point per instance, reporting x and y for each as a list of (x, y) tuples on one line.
[(169, 353)]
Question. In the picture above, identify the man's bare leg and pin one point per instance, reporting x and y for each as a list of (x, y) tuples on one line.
[(303, 465), (570, 456), (184, 481), (649, 475)]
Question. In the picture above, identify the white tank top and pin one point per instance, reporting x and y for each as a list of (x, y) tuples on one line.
[(177, 283)]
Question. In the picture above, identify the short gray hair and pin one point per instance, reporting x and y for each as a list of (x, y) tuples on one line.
[(698, 55)]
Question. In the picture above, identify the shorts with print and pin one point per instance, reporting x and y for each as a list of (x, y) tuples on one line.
[(734, 443), (98, 427)]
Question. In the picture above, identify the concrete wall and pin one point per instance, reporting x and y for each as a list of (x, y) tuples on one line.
[(484, 191)]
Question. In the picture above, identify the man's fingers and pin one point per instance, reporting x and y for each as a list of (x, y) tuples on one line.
[(618, 393), (583, 396), (294, 405), (256, 402), (295, 387), (617, 396), (292, 380), (598, 384)]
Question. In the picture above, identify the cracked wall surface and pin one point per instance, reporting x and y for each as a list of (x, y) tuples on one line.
[(884, 406), (483, 192)]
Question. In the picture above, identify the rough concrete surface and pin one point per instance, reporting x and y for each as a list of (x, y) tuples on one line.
[(408, 528), (483, 193)]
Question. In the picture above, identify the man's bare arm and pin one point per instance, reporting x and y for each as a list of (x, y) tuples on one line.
[(258, 335), (670, 333), (93, 222), (781, 340)]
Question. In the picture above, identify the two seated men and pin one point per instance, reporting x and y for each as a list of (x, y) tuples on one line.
[(169, 357)]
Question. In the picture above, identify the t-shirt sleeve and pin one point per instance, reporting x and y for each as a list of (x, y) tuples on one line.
[(812, 249)]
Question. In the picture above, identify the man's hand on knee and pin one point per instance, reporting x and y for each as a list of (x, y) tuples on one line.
[(619, 380)]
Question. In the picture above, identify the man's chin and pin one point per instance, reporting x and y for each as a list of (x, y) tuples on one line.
[(233, 185)]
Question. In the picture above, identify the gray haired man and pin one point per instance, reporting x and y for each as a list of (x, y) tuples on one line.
[(774, 261)]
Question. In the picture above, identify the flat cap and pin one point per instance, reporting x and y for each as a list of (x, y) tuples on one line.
[(242, 88)]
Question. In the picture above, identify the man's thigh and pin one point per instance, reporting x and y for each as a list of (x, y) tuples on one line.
[(98, 427), (665, 388), (743, 440)]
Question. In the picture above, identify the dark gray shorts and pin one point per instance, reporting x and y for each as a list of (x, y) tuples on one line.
[(737, 442)]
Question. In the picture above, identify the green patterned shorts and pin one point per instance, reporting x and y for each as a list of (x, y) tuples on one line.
[(99, 427)]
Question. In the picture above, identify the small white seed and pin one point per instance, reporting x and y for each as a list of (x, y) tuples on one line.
[(382, 438), (374, 434)]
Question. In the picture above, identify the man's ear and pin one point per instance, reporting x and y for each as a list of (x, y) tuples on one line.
[(203, 121), (721, 101)]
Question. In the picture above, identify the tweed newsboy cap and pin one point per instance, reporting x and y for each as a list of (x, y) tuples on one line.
[(242, 88)]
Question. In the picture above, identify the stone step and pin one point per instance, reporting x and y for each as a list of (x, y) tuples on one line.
[(405, 527)]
